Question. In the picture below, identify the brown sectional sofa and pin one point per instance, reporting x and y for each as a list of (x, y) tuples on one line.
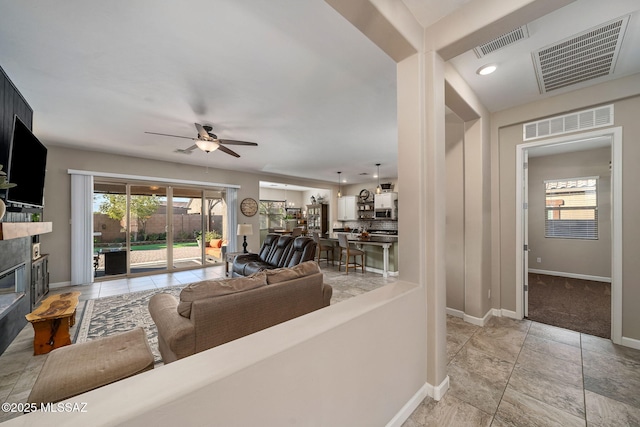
[(214, 312), (276, 252)]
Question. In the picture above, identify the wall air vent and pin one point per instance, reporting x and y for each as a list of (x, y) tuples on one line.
[(585, 56), (503, 41), (578, 121)]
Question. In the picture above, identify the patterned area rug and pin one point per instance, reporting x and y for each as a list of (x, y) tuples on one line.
[(121, 313)]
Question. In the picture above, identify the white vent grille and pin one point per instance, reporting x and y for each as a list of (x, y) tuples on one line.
[(581, 120), (502, 41), (585, 56)]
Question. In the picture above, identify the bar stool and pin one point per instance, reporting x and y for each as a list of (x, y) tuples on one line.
[(348, 251), (323, 247)]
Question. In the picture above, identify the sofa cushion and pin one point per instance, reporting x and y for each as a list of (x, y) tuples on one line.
[(215, 243), (214, 288), (279, 275)]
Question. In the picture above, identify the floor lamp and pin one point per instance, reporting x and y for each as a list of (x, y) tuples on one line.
[(245, 230)]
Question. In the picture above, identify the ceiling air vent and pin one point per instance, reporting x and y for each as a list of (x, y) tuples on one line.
[(585, 56), (578, 121), (503, 41)]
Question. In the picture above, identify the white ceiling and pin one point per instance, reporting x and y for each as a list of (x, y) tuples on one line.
[(294, 76), (514, 82)]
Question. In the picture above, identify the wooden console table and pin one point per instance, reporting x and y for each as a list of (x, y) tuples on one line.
[(52, 321)]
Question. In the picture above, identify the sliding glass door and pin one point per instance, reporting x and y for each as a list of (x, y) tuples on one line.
[(148, 228), (143, 228)]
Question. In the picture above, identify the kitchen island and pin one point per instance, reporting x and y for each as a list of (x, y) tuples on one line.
[(379, 249)]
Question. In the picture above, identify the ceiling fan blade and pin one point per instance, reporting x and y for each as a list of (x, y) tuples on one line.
[(193, 147), (234, 142), (202, 132), (228, 151), (174, 136)]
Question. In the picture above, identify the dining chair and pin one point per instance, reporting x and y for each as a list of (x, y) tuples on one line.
[(323, 246), (348, 251), (296, 232)]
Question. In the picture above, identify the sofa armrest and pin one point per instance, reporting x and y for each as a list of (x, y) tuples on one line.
[(327, 292), (241, 261), (176, 331)]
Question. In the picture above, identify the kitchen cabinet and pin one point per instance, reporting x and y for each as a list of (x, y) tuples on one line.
[(317, 219), (347, 208), (386, 200)]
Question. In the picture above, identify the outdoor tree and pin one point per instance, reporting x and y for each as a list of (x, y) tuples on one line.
[(142, 207)]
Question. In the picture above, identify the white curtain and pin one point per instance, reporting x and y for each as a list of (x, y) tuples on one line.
[(81, 229), (232, 219)]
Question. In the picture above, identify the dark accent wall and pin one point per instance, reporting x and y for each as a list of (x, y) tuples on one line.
[(11, 103), (13, 252)]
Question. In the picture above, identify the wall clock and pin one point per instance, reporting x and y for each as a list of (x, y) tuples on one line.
[(249, 207)]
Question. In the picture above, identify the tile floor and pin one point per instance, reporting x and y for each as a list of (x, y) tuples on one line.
[(523, 373), (509, 373)]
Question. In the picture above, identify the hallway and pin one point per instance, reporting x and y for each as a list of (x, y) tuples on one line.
[(523, 373)]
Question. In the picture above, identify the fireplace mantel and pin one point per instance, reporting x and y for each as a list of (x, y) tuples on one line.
[(15, 230)]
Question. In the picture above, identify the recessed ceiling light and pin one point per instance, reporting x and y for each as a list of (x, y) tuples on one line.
[(487, 69)]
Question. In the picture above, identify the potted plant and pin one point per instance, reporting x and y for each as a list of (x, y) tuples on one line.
[(208, 236), (4, 184)]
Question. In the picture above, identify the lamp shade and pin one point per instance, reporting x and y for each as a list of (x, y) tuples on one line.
[(245, 230)]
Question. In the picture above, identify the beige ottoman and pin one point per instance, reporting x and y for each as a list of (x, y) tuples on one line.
[(75, 369)]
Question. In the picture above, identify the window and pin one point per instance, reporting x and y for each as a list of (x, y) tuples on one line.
[(571, 210), (272, 213)]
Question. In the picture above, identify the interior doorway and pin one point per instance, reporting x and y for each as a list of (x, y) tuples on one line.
[(531, 256)]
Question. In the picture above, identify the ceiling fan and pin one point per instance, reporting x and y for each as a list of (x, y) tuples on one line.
[(207, 141)]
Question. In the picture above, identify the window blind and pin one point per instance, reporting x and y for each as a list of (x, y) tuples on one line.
[(571, 208)]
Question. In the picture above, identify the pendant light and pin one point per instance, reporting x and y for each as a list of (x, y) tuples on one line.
[(339, 185), (378, 188)]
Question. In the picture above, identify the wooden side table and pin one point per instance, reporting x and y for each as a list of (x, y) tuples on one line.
[(228, 258), (52, 321)]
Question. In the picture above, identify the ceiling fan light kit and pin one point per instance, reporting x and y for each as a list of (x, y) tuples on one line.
[(207, 141), (207, 146)]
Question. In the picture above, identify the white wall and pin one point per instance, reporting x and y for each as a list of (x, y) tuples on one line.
[(355, 363), (574, 256), (455, 213)]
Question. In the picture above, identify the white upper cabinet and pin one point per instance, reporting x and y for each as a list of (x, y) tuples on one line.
[(347, 208), (385, 200)]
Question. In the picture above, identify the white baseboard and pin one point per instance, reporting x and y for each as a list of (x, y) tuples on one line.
[(455, 313), (59, 285), (631, 342), (479, 321), (438, 391), (508, 313), (571, 275), (408, 408)]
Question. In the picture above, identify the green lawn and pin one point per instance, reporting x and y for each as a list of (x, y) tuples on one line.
[(135, 247)]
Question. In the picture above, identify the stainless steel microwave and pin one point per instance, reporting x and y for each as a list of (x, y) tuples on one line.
[(385, 214)]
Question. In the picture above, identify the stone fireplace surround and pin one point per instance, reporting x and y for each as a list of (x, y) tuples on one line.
[(13, 253)]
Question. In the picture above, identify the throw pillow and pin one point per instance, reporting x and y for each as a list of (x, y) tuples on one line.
[(303, 269), (214, 288)]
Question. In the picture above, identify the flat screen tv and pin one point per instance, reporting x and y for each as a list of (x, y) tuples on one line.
[(27, 167)]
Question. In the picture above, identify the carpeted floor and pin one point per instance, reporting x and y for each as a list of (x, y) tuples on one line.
[(580, 305)]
